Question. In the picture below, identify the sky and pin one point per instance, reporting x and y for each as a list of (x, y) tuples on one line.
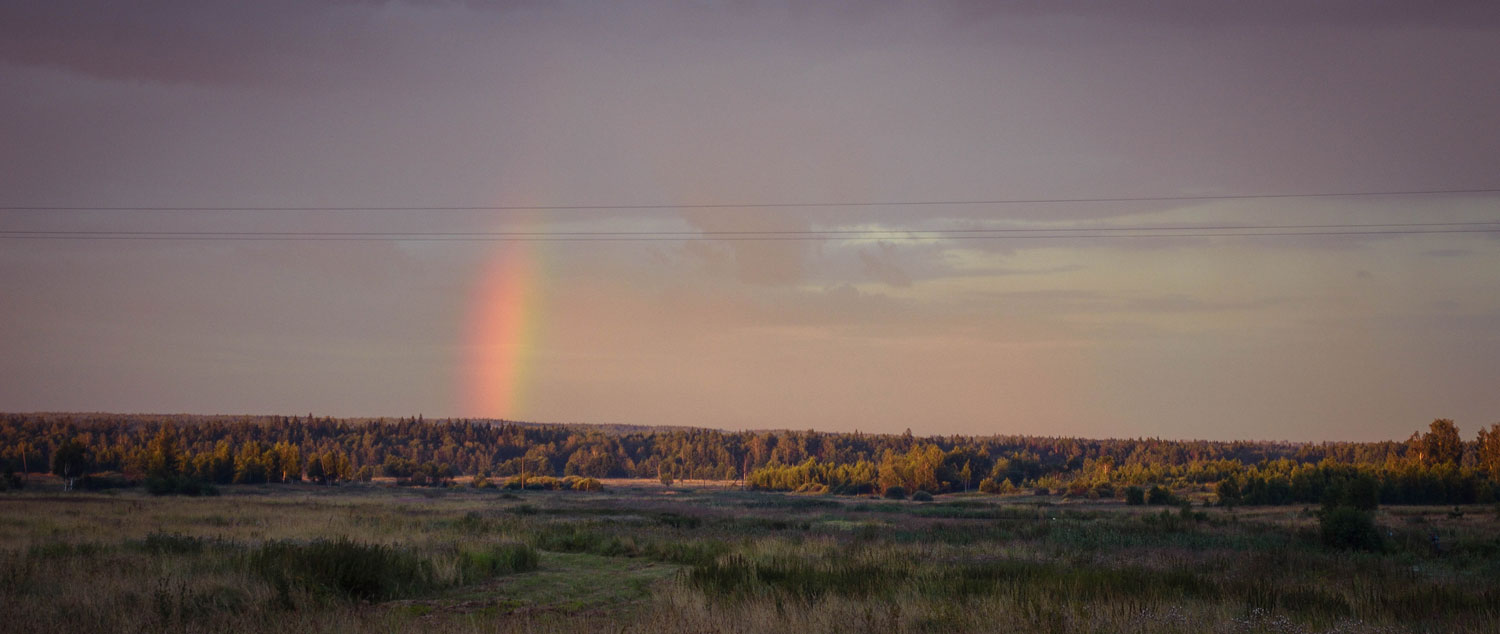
[(731, 117)]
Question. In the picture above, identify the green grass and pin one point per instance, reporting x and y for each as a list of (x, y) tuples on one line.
[(341, 566), (326, 559), (580, 581)]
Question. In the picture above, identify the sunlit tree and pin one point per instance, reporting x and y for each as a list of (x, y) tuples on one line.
[(1489, 452), (1441, 444)]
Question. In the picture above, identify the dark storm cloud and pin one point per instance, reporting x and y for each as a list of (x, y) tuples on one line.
[(213, 42)]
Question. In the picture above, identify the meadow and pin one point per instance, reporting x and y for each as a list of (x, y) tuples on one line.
[(643, 557)]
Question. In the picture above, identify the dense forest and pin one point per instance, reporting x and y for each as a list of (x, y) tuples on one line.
[(185, 452)]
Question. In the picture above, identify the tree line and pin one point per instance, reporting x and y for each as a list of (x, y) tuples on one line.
[(1435, 466)]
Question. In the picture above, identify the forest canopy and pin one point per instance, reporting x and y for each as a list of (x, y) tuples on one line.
[(1432, 466)]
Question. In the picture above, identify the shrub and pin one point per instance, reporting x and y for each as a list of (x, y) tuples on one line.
[(896, 492), (543, 483), (988, 485), (1135, 496), (1159, 496), (9, 479), (1186, 512), (342, 567), (1042, 491), (921, 496), (496, 560), (1228, 492), (1104, 490), (1363, 493), (1349, 528), (588, 484), (103, 482)]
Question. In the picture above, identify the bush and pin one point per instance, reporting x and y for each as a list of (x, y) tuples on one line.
[(1160, 496), (1228, 492), (896, 492), (1104, 490), (1135, 496), (1348, 528), (988, 485), (543, 483), (1363, 493), (9, 479), (588, 484), (1186, 512), (921, 496), (103, 482), (343, 567), (496, 560)]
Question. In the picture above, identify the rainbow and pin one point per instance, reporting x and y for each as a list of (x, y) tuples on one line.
[(502, 332)]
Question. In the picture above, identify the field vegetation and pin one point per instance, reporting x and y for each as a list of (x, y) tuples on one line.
[(272, 524), (643, 557)]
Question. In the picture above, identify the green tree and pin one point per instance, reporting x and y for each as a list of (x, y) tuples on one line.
[(1228, 491), (249, 468), (70, 461), (163, 459), (1441, 444), (221, 464), (1489, 452), (1348, 528), (315, 470), (1363, 492), (290, 461)]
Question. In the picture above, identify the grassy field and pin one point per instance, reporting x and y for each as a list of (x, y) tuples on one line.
[(647, 558)]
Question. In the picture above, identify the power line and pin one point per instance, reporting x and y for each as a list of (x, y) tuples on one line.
[(685, 237), (813, 234), (816, 233), (764, 205)]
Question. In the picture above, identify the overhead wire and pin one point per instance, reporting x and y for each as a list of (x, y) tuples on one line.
[(769, 205), (883, 236)]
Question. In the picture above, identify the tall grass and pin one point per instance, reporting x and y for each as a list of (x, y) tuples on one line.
[(465, 561), (343, 567), (496, 560)]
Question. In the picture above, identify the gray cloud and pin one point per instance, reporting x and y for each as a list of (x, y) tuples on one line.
[(881, 263), (469, 103)]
